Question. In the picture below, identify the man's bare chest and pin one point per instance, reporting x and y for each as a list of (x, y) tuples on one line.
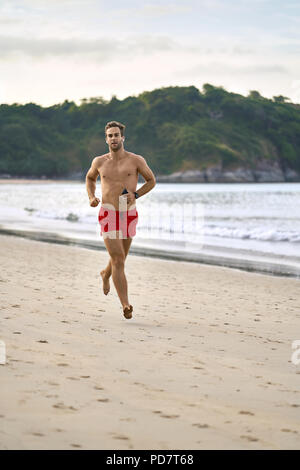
[(111, 171)]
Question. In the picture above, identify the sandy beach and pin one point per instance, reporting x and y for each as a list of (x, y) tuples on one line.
[(205, 363)]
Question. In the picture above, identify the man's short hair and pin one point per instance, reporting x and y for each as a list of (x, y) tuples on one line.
[(115, 124)]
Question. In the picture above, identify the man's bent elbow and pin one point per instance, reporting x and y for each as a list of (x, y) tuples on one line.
[(153, 181)]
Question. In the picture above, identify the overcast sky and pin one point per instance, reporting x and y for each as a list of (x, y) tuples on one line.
[(52, 50)]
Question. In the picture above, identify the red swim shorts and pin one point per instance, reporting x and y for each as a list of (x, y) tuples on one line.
[(111, 221)]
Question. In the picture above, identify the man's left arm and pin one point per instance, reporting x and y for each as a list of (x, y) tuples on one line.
[(147, 174)]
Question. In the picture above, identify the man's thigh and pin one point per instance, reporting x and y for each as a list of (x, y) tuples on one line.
[(126, 245), (114, 247)]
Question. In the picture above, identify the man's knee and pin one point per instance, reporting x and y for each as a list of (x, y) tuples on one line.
[(118, 260)]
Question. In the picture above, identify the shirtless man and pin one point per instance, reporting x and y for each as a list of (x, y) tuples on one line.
[(118, 170)]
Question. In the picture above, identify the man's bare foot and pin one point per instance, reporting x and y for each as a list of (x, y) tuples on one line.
[(128, 311), (105, 279)]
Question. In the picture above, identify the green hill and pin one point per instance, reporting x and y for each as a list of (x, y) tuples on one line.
[(174, 128)]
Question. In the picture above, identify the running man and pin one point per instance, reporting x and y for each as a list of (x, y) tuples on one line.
[(118, 216)]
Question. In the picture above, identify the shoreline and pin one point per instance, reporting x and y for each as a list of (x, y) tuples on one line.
[(205, 362), (21, 180), (260, 266)]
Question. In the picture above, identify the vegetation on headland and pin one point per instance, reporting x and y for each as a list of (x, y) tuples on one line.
[(175, 128)]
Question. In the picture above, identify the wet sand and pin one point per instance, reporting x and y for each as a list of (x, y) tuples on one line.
[(205, 362)]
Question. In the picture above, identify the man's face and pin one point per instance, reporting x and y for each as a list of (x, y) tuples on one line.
[(114, 139)]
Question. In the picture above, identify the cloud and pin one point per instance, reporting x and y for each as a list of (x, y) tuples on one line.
[(39, 48), (264, 69), (104, 48), (9, 21), (217, 49), (290, 48), (125, 47), (56, 3), (13, 47), (154, 10), (234, 70)]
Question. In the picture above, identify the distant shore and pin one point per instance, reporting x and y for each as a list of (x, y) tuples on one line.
[(159, 179), (263, 174), (36, 181)]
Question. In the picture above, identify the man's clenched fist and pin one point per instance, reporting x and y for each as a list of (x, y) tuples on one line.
[(94, 201), (130, 198)]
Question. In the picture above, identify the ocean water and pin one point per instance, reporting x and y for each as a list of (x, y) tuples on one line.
[(248, 223)]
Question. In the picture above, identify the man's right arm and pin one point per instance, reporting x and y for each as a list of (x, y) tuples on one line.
[(90, 180)]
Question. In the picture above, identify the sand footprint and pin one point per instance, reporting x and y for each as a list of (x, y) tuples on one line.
[(62, 406), (250, 438), (121, 437), (169, 416)]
